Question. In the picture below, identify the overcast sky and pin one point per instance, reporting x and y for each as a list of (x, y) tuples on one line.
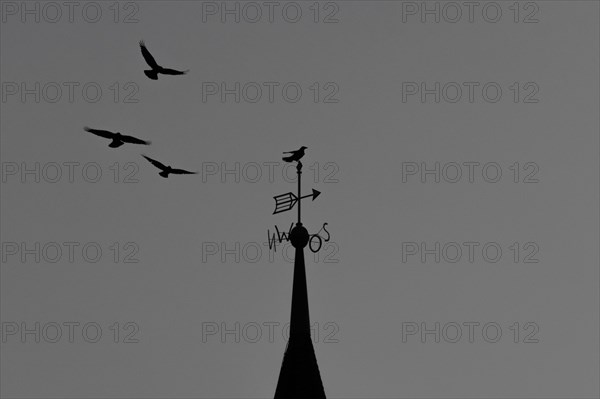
[(517, 94)]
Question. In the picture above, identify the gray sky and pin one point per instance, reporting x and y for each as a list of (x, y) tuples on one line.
[(360, 145)]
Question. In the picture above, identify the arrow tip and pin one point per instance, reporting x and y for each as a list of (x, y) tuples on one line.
[(315, 194)]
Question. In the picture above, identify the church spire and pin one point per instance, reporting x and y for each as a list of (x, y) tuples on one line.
[(299, 376)]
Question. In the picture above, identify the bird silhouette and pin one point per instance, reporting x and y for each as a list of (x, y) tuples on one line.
[(118, 139), (296, 155), (165, 170), (156, 69)]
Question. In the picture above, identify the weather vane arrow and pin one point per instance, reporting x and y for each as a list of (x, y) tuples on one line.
[(285, 202)]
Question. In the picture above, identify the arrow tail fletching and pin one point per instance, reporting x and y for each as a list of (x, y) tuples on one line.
[(284, 202)]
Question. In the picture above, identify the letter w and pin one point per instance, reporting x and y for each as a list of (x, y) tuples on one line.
[(280, 237)]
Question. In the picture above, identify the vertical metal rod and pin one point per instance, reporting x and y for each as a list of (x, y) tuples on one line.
[(299, 171)]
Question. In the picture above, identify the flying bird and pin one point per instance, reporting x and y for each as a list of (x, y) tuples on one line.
[(165, 170), (118, 139), (296, 155), (156, 69)]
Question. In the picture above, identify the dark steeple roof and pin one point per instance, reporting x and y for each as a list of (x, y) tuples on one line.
[(299, 376)]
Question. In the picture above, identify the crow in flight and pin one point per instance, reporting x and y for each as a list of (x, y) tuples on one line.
[(156, 69), (165, 170), (296, 155), (118, 139)]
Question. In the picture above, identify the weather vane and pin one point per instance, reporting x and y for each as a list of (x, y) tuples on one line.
[(299, 376), (287, 201)]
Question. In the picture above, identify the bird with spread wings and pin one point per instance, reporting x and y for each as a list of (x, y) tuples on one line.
[(117, 138), (166, 170), (156, 69)]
